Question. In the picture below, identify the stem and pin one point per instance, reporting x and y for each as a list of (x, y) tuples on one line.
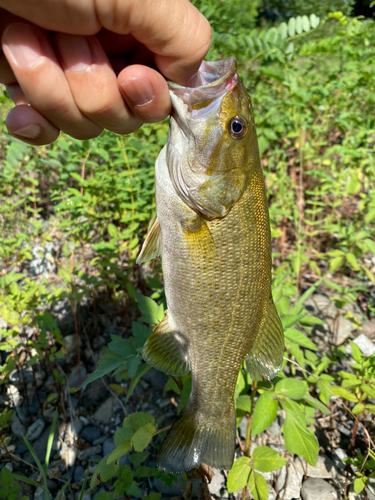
[(250, 420)]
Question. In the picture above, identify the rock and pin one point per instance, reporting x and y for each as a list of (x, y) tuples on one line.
[(94, 393), (324, 468), (364, 343), (105, 411), (343, 326), (272, 495), (156, 379), (21, 448), (90, 433), (108, 446), (40, 446), (85, 496), (24, 375), (318, 489), (174, 489), (21, 414), (274, 428), (35, 430), (89, 452), (288, 483), (368, 329), (242, 427), (338, 456), (344, 430), (16, 426), (70, 342), (217, 483), (40, 495), (64, 316), (321, 306), (79, 474), (76, 378)]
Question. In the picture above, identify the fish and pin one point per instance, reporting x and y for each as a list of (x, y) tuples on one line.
[(212, 232)]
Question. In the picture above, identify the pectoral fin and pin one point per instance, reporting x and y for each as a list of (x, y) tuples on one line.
[(166, 350), (198, 236), (266, 356), (152, 245)]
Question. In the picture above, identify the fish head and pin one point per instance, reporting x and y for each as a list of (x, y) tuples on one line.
[(212, 146)]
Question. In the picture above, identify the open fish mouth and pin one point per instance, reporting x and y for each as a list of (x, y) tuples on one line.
[(212, 81)]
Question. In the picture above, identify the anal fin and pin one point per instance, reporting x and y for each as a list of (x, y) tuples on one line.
[(152, 245), (166, 350), (266, 355)]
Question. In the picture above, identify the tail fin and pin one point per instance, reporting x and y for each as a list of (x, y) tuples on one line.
[(188, 444)]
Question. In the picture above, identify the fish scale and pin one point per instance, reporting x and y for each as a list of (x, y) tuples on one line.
[(212, 232)]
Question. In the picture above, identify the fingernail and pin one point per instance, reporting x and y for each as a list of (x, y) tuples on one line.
[(30, 132), (138, 90), (22, 45), (75, 52)]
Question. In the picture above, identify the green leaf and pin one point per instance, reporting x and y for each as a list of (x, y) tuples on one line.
[(141, 370), (299, 338), (358, 408), (137, 420), (297, 438), (238, 476), (356, 352), (143, 436), (292, 26), (289, 320), (344, 393), (370, 245), (133, 490), (316, 404), (265, 413), (152, 313), (123, 434), (152, 496), (370, 391), (258, 486), (108, 364), (137, 458), (243, 402), (6, 478), (267, 460), (291, 388), (119, 452), (358, 485), (141, 333)]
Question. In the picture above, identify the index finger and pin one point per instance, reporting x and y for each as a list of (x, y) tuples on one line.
[(174, 30)]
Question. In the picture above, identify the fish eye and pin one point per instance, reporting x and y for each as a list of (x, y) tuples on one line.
[(237, 127)]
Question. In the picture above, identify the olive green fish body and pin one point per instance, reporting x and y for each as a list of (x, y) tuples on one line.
[(212, 231)]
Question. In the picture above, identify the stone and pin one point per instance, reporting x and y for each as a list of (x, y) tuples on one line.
[(368, 329), (318, 489), (324, 468), (174, 489), (90, 433), (21, 448), (288, 483), (35, 430), (364, 343), (217, 483), (344, 430), (89, 452), (156, 379), (16, 426), (70, 342), (63, 315), (242, 427), (108, 446), (274, 428), (321, 306), (85, 496), (105, 410), (40, 446), (24, 375), (79, 474), (40, 495), (272, 495), (94, 393), (76, 377), (344, 328)]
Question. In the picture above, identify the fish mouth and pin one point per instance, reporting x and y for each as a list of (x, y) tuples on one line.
[(212, 81)]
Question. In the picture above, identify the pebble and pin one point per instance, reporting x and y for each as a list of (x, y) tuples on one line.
[(156, 379), (364, 343), (324, 468), (344, 430), (70, 342), (343, 327), (79, 474), (94, 393), (40, 495), (21, 448), (88, 452), (289, 485), (40, 446), (108, 446), (272, 495), (26, 374), (174, 489), (318, 489), (242, 427), (16, 426), (35, 430), (217, 483), (90, 433), (105, 411), (74, 380)]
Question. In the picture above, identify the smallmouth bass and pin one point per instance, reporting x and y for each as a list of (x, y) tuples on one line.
[(212, 232)]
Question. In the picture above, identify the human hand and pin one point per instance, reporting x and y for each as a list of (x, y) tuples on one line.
[(84, 66)]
